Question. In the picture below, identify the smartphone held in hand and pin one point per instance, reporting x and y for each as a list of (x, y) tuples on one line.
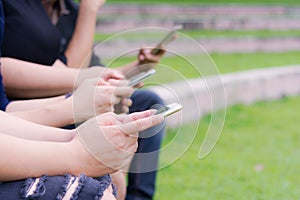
[(169, 109), (133, 81), (171, 36)]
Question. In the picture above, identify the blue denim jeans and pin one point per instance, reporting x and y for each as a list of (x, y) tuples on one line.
[(142, 176), (56, 188)]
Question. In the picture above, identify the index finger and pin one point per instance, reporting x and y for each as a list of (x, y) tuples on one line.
[(115, 82), (123, 91), (112, 75), (134, 116), (131, 128)]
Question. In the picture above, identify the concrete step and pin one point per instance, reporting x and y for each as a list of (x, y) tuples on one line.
[(108, 48), (206, 95), (118, 17)]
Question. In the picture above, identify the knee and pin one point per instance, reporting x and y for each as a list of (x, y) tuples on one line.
[(145, 99), (154, 98)]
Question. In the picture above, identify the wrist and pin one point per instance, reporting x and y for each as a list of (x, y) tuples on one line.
[(63, 161), (68, 109), (80, 160), (71, 164), (59, 114)]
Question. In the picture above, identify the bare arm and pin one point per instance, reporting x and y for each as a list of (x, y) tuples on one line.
[(81, 43), (22, 158), (17, 127), (27, 80), (31, 104), (55, 111), (58, 114), (88, 99), (80, 46)]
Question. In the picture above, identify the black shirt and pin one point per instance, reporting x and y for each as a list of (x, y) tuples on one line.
[(29, 33)]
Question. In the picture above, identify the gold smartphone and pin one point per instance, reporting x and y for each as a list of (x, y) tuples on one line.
[(169, 109)]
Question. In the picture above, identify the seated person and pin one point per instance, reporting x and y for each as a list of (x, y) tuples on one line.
[(47, 18), (31, 150)]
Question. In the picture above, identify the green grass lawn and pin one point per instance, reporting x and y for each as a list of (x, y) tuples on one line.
[(196, 34), (224, 63), (210, 34), (256, 157)]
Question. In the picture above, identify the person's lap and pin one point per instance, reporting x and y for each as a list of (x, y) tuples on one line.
[(56, 187)]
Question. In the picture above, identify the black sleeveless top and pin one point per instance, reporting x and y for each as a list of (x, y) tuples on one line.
[(30, 35)]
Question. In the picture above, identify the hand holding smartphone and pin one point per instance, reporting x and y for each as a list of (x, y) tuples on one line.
[(171, 36)]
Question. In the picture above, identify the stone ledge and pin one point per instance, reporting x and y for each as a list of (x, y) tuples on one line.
[(203, 95), (198, 17)]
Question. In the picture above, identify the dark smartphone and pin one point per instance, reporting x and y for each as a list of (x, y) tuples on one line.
[(166, 40)]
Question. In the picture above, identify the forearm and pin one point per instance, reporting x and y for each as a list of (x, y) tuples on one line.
[(22, 105), (55, 112), (55, 115), (27, 80), (18, 127), (21, 158), (81, 44)]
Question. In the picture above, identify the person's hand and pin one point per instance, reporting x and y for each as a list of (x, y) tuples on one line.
[(112, 74), (94, 97), (107, 143), (123, 106), (146, 60), (125, 103), (97, 72)]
